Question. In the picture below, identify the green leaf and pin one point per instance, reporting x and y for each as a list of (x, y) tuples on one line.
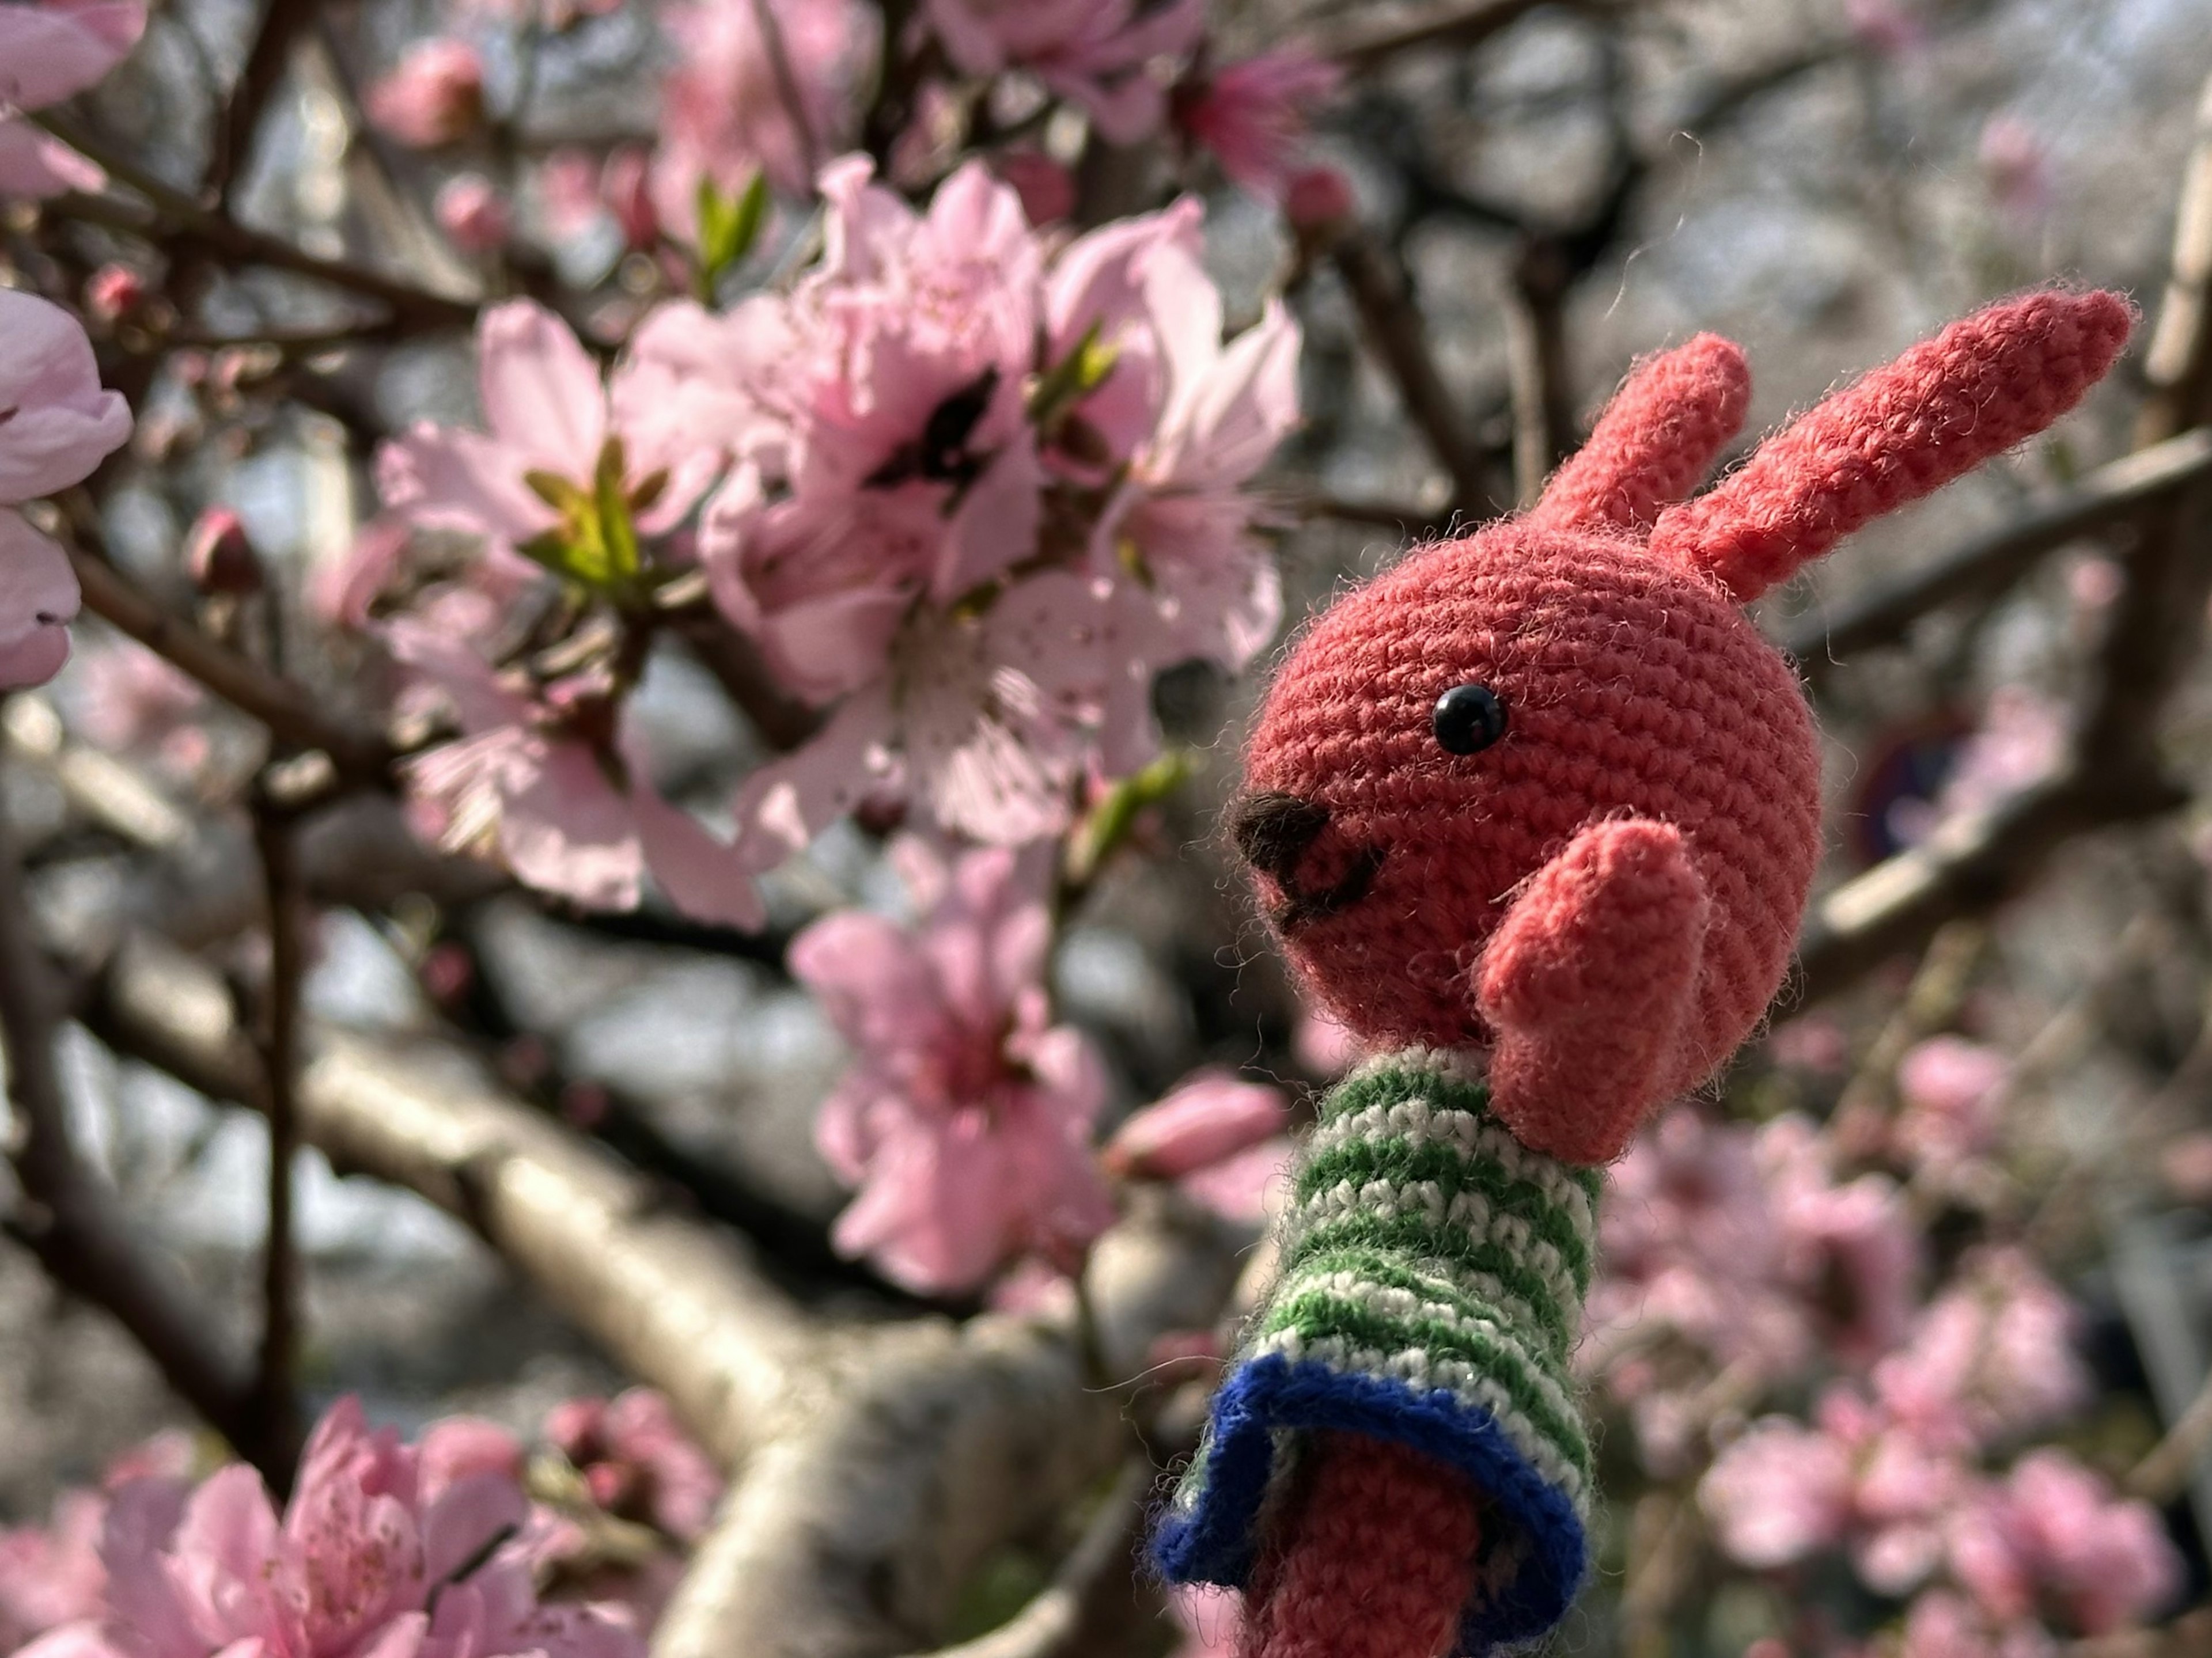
[(1114, 816), (555, 491), (596, 542), (618, 534), (1072, 379), (728, 227)]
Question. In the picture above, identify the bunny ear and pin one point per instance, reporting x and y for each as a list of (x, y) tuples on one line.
[(1653, 442), (1949, 404)]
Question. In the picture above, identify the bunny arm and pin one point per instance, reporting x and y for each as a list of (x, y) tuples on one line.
[(1371, 1557), (1588, 986)]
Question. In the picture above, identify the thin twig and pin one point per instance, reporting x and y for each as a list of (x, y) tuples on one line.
[(1392, 323), (240, 116), (68, 1219), (273, 836), (1096, 1593), (789, 91), (1365, 42), (178, 221), (292, 712)]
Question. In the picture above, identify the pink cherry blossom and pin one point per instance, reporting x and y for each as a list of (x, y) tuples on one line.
[(547, 412), (1852, 1249), (1098, 54), (1322, 1045), (965, 1117), (637, 1461), (1853, 1480), (2017, 164), (987, 587), (1252, 114), (124, 698), (57, 423), (1211, 1114), (1046, 187), (541, 782), (1886, 27), (433, 96), (1991, 1358), (1692, 1252), (367, 1559), (1943, 1624), (457, 1448), (2021, 739), (1779, 1494), (55, 51), (2053, 1540), (113, 291), (1950, 1088), (1212, 1620), (729, 109), (471, 209), (51, 1575)]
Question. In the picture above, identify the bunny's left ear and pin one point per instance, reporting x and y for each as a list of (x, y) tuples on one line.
[(1655, 441), (1949, 404)]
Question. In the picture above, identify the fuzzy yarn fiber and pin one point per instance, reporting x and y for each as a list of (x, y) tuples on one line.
[(1606, 896), (1433, 1271)]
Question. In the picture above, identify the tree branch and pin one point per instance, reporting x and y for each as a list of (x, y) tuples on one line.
[(179, 223), (264, 71), (279, 853), (1363, 42), (1095, 1595), (1392, 324), (2112, 772), (290, 710), (2112, 496), (70, 1220)]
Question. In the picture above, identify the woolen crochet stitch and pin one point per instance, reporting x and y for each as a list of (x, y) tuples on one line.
[(1430, 1290), (1606, 897), (1579, 878)]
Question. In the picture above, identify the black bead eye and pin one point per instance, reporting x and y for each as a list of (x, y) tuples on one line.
[(1469, 718)]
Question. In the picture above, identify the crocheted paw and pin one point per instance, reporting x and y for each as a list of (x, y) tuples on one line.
[(1588, 985)]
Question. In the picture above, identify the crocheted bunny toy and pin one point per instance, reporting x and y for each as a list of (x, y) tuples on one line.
[(1534, 814)]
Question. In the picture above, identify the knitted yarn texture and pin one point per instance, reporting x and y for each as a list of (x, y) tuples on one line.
[(1539, 800), (1433, 1271), (1606, 896)]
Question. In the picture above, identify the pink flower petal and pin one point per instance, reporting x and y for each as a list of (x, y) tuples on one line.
[(542, 397), (56, 421), (50, 53), (39, 598)]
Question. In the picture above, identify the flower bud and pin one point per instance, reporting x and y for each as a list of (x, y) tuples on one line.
[(1317, 199), (433, 97), (219, 557), (470, 210), (114, 290), (1210, 1116)]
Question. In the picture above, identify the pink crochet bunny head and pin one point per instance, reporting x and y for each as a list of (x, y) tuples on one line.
[(1546, 790)]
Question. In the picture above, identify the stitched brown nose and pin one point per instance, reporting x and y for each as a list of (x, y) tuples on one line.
[(1273, 830)]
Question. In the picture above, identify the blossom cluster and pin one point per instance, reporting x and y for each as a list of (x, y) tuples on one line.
[(964, 490), (1736, 1263), (457, 1546), (966, 1117)]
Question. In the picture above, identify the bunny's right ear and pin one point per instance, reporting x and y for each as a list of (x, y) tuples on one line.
[(1949, 404), (1654, 442)]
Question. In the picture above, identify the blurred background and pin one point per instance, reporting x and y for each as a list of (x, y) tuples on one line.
[(1903, 1340)]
